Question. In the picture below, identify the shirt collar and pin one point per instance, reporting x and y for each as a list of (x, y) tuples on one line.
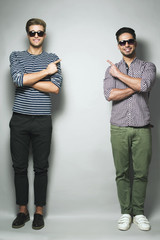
[(131, 62)]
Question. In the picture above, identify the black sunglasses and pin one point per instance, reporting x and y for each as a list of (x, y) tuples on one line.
[(33, 33), (129, 41)]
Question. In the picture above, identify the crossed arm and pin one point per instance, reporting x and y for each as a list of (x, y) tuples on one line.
[(120, 94), (32, 79), (134, 84)]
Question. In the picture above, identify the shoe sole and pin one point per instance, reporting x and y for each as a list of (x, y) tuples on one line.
[(19, 226), (140, 228), (125, 228), (37, 228)]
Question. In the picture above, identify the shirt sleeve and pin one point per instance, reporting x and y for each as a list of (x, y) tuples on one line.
[(148, 77), (57, 77), (108, 84), (16, 70)]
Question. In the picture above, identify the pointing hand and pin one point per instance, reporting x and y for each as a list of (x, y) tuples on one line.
[(114, 71), (52, 67)]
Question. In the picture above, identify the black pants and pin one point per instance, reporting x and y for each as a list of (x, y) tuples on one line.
[(37, 130)]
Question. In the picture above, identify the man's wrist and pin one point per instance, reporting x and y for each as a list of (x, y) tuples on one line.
[(120, 75), (46, 72)]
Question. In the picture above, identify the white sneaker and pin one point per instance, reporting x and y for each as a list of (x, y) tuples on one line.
[(124, 222), (142, 222)]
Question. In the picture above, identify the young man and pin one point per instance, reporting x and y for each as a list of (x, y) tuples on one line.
[(35, 74), (128, 84)]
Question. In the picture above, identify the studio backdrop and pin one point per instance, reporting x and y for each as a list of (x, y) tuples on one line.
[(82, 34)]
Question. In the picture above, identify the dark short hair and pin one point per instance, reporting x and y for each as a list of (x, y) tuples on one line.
[(125, 30), (35, 21)]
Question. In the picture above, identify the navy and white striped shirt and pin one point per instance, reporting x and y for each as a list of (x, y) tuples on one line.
[(134, 110), (27, 99)]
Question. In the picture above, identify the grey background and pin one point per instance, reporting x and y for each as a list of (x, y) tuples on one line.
[(82, 198)]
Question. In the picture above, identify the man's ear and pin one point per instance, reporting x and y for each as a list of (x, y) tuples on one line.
[(136, 43)]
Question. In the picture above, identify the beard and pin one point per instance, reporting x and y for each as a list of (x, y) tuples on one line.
[(129, 55)]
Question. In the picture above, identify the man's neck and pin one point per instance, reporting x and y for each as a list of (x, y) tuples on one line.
[(35, 51), (129, 60)]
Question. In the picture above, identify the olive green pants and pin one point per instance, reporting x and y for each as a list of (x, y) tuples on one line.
[(131, 146)]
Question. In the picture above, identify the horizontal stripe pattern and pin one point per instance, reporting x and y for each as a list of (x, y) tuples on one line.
[(134, 110), (27, 99)]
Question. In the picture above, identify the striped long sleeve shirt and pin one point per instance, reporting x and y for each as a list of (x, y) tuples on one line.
[(132, 111), (28, 100)]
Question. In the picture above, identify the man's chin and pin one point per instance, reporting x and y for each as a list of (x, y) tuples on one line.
[(36, 46), (129, 55)]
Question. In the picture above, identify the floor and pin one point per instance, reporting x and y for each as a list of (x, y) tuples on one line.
[(82, 228)]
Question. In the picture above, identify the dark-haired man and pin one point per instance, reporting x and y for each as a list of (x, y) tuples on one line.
[(128, 84), (35, 74)]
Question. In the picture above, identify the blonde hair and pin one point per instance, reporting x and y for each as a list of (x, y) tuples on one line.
[(35, 21)]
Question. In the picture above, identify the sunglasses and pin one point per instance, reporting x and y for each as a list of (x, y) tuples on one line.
[(129, 41), (33, 33)]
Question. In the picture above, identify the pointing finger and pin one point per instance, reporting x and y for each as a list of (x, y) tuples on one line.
[(110, 62), (57, 61)]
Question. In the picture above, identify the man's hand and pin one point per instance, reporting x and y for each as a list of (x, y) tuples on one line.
[(31, 78), (52, 67), (114, 71), (131, 82)]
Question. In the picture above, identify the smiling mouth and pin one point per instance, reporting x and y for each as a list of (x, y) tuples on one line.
[(127, 49), (36, 40)]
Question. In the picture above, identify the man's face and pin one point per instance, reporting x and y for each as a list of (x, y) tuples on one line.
[(36, 41), (129, 49)]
